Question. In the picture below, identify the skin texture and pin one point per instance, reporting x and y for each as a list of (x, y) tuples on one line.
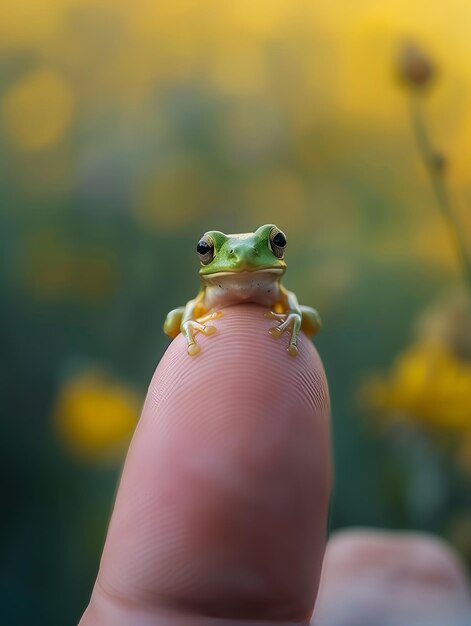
[(222, 507), (220, 516)]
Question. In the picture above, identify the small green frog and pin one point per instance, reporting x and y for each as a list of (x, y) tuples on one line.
[(242, 268)]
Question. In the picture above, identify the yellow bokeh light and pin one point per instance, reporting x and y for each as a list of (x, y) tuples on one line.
[(96, 414), (38, 110), (27, 22)]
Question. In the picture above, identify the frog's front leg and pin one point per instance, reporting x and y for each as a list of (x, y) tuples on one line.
[(288, 321), (189, 320), (291, 320), (193, 321)]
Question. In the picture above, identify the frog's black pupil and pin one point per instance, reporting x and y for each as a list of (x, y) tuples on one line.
[(279, 240), (203, 247)]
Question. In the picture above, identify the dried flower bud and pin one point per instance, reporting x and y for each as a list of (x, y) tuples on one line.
[(416, 69)]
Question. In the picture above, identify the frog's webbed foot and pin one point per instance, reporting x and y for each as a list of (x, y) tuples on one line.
[(189, 328), (287, 321)]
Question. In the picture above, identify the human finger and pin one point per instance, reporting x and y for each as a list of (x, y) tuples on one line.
[(222, 507)]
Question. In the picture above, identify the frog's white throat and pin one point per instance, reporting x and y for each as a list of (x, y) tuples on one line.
[(227, 288)]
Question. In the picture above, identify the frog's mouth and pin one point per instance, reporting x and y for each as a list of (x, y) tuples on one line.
[(246, 272), (226, 288)]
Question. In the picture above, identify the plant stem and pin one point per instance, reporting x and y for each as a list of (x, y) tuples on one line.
[(435, 169)]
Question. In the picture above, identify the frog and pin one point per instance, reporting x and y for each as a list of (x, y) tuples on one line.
[(242, 268)]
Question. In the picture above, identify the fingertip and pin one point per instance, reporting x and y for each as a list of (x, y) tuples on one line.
[(223, 502)]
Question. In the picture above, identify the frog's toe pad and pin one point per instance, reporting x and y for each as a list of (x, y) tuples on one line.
[(292, 350), (275, 332), (193, 349), (209, 330)]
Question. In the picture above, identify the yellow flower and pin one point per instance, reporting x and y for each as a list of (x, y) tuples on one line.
[(428, 384), (430, 381), (95, 415)]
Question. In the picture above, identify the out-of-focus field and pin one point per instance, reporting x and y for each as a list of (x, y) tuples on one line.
[(129, 128)]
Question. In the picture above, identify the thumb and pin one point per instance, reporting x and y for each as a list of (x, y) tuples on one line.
[(221, 513)]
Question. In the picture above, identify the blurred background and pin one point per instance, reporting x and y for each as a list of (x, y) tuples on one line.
[(127, 129)]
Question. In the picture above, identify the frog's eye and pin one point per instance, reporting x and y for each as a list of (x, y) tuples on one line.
[(278, 242), (205, 249)]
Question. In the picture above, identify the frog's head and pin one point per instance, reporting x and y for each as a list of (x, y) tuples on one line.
[(261, 251)]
